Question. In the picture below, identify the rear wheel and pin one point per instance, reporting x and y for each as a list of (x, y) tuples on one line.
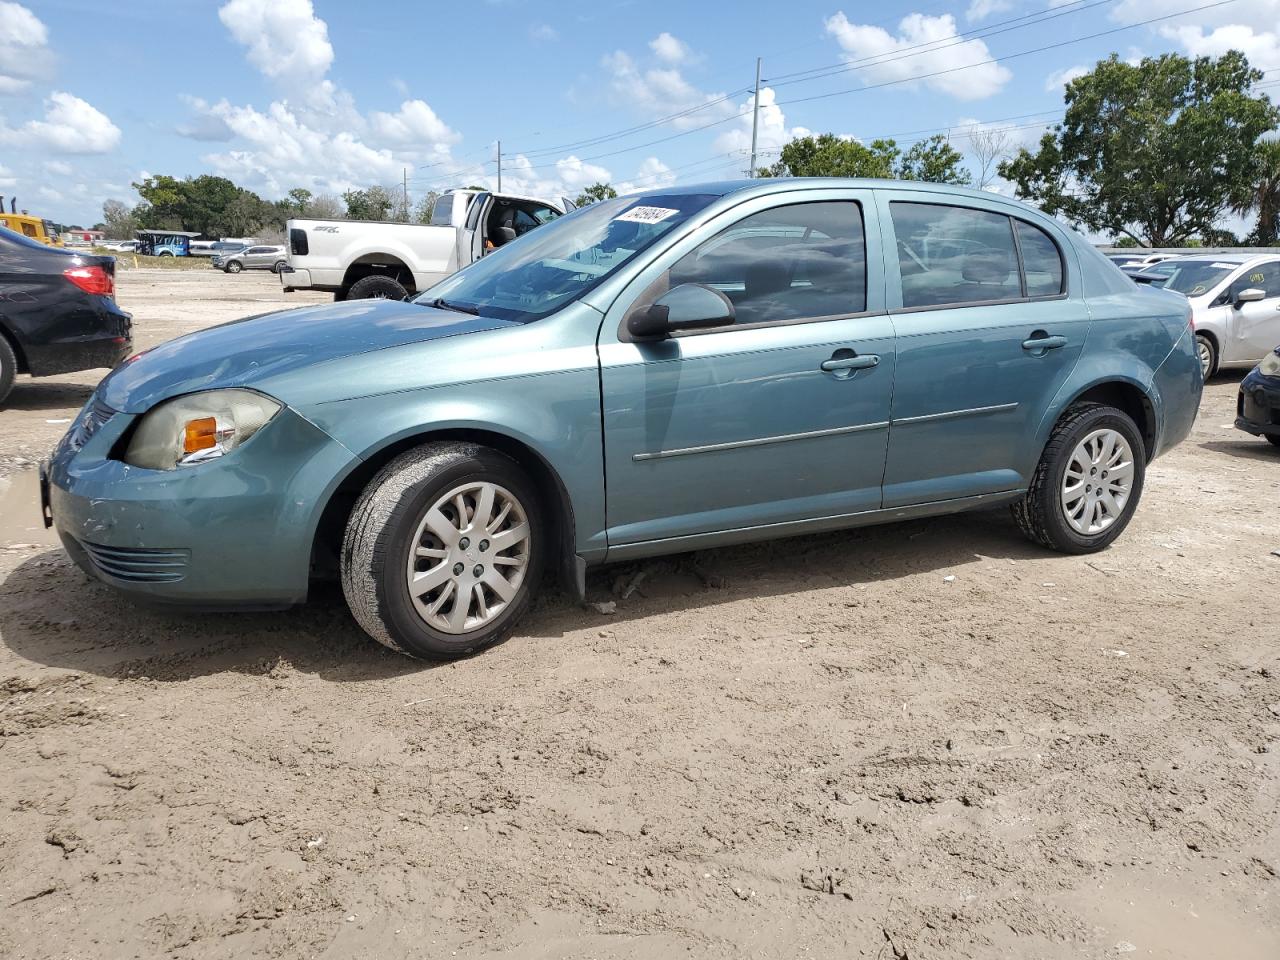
[(1088, 481), (1207, 351), (8, 368), (1272, 438), (278, 266), (377, 286), (443, 551)]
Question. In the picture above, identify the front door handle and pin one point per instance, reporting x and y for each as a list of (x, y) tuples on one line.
[(850, 363), (1041, 342)]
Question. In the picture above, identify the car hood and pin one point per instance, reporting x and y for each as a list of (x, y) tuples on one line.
[(244, 352)]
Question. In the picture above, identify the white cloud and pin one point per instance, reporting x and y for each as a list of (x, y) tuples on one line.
[(772, 134), (652, 175), (7, 179), (1250, 26), (24, 50), (1055, 81), (414, 123), (981, 9), (670, 49), (924, 45), (70, 125), (285, 39), (58, 168), (660, 91), (543, 32)]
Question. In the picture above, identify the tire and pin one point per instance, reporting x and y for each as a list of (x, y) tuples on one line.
[(164, 253), (1208, 353), (235, 266), (278, 266), (8, 368), (1272, 438), (377, 286), (390, 519), (1042, 514)]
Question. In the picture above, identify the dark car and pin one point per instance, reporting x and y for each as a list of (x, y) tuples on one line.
[(57, 311), (1258, 404)]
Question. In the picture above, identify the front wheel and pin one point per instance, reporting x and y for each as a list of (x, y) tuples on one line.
[(233, 267), (443, 551), (1088, 481), (8, 368), (1272, 438)]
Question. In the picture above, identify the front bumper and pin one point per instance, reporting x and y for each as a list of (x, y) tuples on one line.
[(234, 532), (1258, 405)]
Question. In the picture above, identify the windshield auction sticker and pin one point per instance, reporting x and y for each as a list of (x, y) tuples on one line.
[(645, 215)]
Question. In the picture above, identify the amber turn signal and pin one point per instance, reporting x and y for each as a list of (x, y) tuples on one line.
[(200, 434)]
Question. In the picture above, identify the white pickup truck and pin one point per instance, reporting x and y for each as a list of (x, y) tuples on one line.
[(367, 258)]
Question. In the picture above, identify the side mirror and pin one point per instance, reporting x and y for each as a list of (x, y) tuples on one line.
[(1250, 295), (690, 306)]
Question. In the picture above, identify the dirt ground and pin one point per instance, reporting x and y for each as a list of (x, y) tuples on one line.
[(822, 747)]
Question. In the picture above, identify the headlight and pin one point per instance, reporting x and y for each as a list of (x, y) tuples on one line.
[(198, 427), (1270, 365)]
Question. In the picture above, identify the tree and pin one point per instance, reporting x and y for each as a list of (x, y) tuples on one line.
[(1263, 197), (830, 156), (296, 200), (595, 192), (1158, 151), (118, 220), (934, 160), (324, 207), (370, 204), (163, 202), (989, 147), (426, 207)]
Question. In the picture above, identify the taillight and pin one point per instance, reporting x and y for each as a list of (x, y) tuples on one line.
[(95, 280)]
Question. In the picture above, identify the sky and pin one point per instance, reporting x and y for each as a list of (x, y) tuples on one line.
[(331, 95)]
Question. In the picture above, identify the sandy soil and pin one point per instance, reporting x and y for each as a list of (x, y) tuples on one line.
[(820, 747)]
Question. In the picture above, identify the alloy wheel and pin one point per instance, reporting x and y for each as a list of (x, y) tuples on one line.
[(1205, 353), (468, 557), (1097, 482)]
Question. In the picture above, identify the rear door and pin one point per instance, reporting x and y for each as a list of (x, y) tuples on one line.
[(990, 323), (779, 418)]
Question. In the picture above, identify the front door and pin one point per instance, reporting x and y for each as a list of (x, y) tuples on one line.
[(778, 418), (1253, 329), (990, 323)]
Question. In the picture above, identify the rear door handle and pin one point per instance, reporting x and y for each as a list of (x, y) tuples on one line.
[(1040, 342), (850, 363)]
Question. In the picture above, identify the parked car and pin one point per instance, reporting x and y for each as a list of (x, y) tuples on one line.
[(165, 243), (58, 311), (202, 248), (261, 257), (742, 361), (1125, 259), (1235, 299), (1258, 404), (361, 258)]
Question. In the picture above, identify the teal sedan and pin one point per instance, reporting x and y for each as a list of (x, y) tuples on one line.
[(659, 373)]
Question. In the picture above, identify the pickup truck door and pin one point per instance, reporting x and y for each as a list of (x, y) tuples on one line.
[(471, 233)]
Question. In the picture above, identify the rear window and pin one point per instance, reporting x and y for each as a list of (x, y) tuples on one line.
[(442, 212)]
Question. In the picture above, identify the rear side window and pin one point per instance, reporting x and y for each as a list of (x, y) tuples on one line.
[(796, 262), (1041, 261), (954, 255)]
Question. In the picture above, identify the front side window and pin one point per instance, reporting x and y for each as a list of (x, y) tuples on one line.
[(949, 256), (800, 261), (559, 262), (1263, 276)]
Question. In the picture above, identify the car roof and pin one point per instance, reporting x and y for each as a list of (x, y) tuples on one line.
[(1232, 258)]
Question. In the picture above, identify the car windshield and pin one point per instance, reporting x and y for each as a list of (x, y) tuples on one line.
[(1194, 278), (555, 265)]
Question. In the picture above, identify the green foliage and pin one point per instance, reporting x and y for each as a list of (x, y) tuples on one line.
[(118, 220), (426, 207), (1263, 196), (371, 204), (830, 156), (1125, 242), (296, 200), (597, 191), (1157, 152), (207, 204)]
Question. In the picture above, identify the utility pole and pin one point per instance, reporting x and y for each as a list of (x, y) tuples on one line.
[(499, 166), (405, 184), (755, 121)]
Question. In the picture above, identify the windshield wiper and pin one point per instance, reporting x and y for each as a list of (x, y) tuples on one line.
[(441, 303)]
